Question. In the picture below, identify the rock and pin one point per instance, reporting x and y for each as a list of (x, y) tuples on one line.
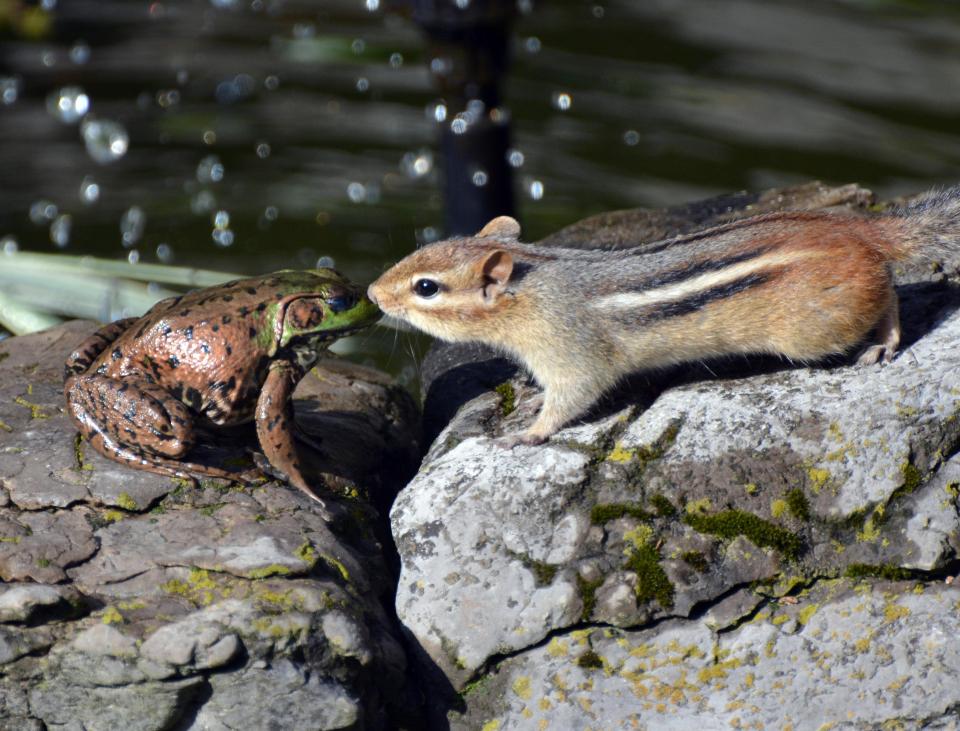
[(845, 655), (655, 539), (137, 601)]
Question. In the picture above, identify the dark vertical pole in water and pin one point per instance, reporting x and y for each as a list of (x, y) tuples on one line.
[(469, 54)]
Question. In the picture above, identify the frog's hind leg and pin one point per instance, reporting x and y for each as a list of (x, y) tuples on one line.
[(81, 358), (138, 424)]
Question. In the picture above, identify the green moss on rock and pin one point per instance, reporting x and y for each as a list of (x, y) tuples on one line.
[(652, 581), (590, 661), (696, 560), (662, 506), (588, 595), (611, 511), (798, 505), (874, 571), (729, 524), (508, 398)]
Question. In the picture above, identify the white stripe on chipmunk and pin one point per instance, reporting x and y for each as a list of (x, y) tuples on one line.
[(701, 283)]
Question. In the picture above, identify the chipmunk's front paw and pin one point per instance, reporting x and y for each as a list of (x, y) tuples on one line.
[(526, 438)]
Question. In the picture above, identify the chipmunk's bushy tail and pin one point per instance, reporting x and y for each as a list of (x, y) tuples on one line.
[(929, 226)]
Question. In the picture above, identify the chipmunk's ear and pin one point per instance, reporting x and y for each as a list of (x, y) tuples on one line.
[(496, 269), (502, 227)]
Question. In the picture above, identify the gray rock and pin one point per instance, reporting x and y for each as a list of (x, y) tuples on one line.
[(143, 602), (19, 602), (138, 707), (672, 520), (279, 696), (845, 656)]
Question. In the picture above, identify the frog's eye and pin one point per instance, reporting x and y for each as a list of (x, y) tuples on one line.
[(426, 288), (341, 302)]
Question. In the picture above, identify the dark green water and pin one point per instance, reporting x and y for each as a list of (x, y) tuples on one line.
[(311, 124)]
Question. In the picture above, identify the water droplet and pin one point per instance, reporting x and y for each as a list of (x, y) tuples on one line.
[(358, 46), (42, 212), (562, 101), (631, 137), (363, 84), (417, 164), (427, 235), (479, 178), (210, 170), (9, 245), (203, 202), (441, 65), (165, 253), (462, 4), (80, 53), (221, 220), (168, 98), (263, 150), (106, 140), (156, 11), (68, 104), (183, 76), (270, 213), (356, 192), (459, 125), (499, 115), (304, 30), (515, 158), (48, 5), (209, 137), (532, 45), (133, 256), (48, 59), (60, 230), (10, 89), (234, 90), (396, 60), (525, 7), (222, 237), (373, 5), (225, 4), (326, 262), (271, 83), (535, 189), (89, 191), (132, 223), (438, 112), (597, 11)]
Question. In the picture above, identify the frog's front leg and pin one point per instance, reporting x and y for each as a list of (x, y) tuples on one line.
[(276, 427)]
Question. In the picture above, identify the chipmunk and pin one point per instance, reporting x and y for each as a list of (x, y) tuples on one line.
[(802, 285)]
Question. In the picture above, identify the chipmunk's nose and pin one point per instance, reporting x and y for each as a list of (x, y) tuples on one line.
[(372, 294)]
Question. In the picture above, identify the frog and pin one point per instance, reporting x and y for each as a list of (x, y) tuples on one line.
[(141, 388)]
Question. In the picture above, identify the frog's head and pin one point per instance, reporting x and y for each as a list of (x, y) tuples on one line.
[(319, 306)]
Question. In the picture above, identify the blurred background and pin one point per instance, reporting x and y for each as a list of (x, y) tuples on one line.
[(251, 135)]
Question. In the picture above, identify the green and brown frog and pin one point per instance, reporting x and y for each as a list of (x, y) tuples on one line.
[(225, 355)]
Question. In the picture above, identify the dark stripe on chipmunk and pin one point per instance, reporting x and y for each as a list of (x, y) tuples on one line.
[(703, 298), (696, 269)]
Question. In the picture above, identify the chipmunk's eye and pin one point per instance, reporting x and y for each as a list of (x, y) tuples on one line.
[(426, 288)]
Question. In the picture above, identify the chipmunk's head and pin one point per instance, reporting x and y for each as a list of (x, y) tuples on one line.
[(449, 288)]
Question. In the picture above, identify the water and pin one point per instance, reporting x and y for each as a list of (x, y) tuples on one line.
[(250, 135)]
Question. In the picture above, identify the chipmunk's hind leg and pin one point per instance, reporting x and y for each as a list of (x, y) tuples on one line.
[(887, 335)]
